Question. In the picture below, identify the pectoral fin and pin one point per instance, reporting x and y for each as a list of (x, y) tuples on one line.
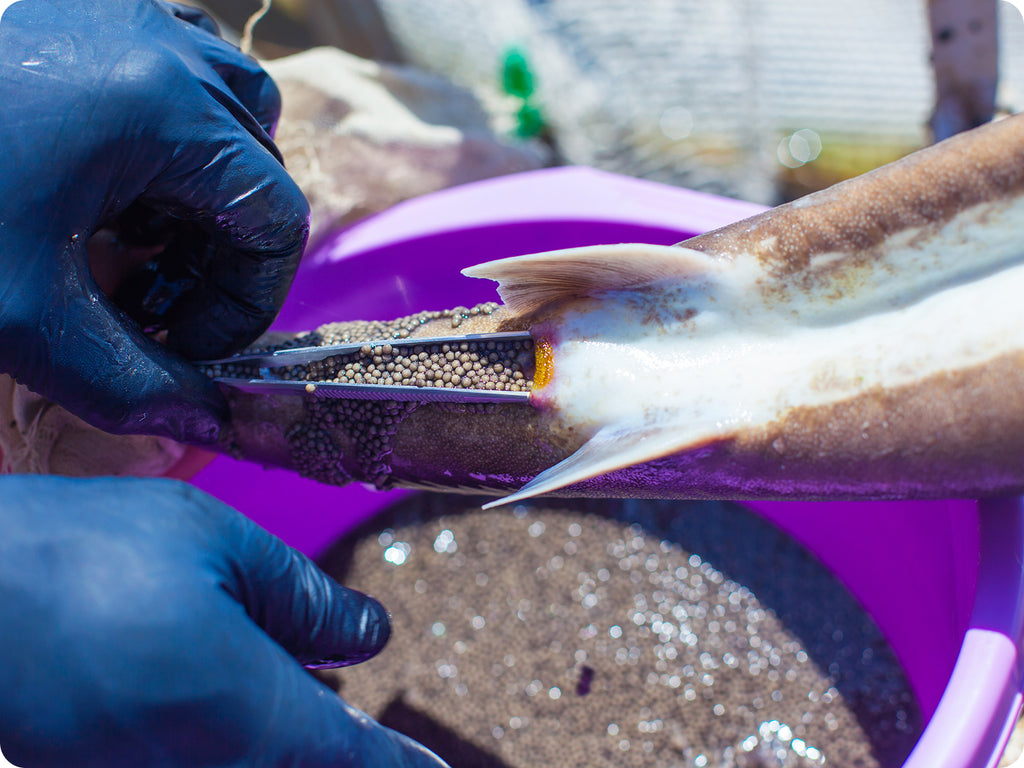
[(528, 283), (610, 449)]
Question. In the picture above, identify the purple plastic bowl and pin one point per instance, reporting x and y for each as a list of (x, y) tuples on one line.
[(942, 579)]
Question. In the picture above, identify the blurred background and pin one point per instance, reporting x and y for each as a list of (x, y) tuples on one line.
[(762, 101)]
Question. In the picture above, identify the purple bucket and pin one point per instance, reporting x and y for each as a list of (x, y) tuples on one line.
[(942, 579)]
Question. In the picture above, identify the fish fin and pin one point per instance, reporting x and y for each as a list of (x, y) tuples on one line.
[(609, 449), (528, 283)]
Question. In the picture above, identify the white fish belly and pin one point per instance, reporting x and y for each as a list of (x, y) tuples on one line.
[(731, 368)]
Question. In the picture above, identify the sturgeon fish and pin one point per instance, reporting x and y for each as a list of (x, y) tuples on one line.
[(865, 341)]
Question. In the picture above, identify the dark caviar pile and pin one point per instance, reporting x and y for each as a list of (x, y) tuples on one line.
[(618, 633)]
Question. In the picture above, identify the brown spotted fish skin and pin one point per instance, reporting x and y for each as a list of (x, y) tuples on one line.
[(955, 432), (864, 341), (918, 193)]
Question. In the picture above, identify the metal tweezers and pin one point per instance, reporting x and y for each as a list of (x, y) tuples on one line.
[(269, 383)]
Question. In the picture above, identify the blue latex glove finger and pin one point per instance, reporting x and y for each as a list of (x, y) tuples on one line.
[(243, 75), (134, 615), (246, 78), (320, 623), (248, 81), (250, 212), (119, 104)]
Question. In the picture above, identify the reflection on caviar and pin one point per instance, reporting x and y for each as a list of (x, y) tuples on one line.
[(620, 633)]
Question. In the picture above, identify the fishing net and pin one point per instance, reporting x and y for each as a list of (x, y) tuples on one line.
[(736, 97)]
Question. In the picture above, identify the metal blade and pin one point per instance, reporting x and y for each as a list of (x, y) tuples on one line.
[(305, 355), (336, 391)]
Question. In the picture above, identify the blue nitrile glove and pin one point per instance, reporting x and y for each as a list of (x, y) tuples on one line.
[(133, 115), (138, 621)]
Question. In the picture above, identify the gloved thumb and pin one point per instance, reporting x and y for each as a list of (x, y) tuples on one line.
[(328, 733), (318, 621), (90, 358)]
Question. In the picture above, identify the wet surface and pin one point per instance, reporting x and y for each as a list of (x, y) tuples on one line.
[(608, 633)]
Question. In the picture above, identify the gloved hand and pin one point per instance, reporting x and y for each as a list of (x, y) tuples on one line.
[(137, 620), (133, 114)]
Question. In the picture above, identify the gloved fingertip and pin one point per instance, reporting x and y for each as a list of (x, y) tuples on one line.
[(190, 420), (369, 638), (259, 94), (189, 407), (111, 375), (201, 425), (184, 404)]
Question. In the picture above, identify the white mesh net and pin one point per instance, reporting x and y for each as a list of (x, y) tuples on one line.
[(701, 93)]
